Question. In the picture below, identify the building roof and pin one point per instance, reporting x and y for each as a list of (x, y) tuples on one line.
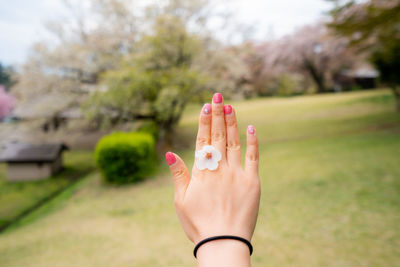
[(28, 153), (363, 73)]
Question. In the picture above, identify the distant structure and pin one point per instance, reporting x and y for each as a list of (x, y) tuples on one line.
[(52, 111), (27, 162), (363, 77)]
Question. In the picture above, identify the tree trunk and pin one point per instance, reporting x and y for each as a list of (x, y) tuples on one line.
[(398, 103), (317, 76), (396, 91)]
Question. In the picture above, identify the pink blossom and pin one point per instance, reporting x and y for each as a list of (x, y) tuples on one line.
[(7, 103)]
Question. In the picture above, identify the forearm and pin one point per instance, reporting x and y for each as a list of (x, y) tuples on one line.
[(223, 253)]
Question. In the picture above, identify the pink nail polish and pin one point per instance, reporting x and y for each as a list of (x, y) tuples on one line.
[(217, 98), (250, 129), (207, 108), (170, 158), (227, 109)]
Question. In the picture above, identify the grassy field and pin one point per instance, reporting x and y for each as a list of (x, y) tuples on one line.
[(18, 198), (330, 173)]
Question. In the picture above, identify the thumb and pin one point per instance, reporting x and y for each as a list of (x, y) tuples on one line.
[(179, 173)]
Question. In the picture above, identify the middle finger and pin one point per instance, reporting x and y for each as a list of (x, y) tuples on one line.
[(218, 131)]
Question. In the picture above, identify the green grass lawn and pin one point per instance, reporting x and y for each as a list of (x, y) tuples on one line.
[(330, 174), (17, 198)]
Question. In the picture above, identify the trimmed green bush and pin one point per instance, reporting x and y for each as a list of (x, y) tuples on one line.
[(125, 157)]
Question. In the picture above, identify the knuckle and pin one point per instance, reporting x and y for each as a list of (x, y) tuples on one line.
[(252, 156), (202, 141), (218, 136), (179, 173), (233, 145)]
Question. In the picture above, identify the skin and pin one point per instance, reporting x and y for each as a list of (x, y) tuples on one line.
[(220, 202)]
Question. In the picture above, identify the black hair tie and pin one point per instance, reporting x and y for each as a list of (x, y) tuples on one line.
[(222, 237)]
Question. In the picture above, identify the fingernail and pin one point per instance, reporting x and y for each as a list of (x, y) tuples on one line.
[(227, 109), (217, 98), (251, 129), (170, 158), (207, 108)]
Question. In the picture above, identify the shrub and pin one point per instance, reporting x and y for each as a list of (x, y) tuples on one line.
[(125, 157)]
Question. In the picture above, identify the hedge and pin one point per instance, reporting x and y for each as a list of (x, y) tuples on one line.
[(125, 157)]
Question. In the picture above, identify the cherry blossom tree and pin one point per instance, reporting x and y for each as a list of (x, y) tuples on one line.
[(311, 55)]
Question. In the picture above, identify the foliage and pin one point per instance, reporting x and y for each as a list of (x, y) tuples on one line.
[(229, 70), (91, 40), (125, 157), (156, 82), (315, 52), (373, 26), (311, 52), (387, 60), (6, 76)]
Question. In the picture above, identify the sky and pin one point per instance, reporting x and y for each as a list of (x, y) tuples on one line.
[(22, 21)]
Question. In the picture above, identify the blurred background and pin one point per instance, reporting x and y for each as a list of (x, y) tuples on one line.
[(94, 92)]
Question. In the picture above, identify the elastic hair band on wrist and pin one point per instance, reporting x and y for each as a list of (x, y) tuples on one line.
[(222, 237)]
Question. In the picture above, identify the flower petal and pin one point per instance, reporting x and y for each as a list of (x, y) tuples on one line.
[(200, 164), (212, 165), (216, 155), (208, 149), (200, 154)]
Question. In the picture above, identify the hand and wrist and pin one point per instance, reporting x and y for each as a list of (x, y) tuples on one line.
[(220, 196)]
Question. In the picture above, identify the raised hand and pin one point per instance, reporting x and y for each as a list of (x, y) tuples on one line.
[(220, 197)]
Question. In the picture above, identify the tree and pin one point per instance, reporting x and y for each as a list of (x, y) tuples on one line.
[(91, 40), (373, 26), (6, 76), (309, 58), (156, 82), (175, 61), (125, 63), (316, 53)]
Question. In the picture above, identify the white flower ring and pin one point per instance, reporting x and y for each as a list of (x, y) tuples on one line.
[(207, 158)]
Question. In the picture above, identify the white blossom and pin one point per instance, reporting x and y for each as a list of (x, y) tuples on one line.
[(207, 158)]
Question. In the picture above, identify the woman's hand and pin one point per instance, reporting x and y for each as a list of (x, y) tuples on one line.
[(223, 201)]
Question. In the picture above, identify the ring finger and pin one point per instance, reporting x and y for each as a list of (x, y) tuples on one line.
[(204, 132)]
